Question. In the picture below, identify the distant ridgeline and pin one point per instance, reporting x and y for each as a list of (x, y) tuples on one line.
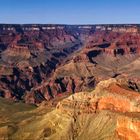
[(37, 27)]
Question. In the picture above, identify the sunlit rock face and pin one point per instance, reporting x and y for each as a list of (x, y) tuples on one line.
[(40, 62), (97, 114), (108, 95), (128, 128), (119, 108)]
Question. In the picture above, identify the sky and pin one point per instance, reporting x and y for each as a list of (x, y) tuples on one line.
[(70, 11)]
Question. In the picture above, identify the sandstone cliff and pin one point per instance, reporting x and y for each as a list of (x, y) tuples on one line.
[(110, 112)]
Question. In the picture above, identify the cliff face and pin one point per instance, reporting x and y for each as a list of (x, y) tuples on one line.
[(128, 128), (117, 109), (39, 62), (110, 112), (108, 95)]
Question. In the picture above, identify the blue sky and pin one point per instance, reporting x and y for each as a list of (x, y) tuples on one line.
[(70, 11)]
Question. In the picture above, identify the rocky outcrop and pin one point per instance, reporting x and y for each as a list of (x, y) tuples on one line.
[(94, 115), (112, 97), (108, 95)]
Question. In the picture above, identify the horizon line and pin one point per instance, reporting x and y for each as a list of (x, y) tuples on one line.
[(90, 24)]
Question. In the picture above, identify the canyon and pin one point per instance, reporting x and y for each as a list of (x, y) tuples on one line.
[(39, 62), (72, 82)]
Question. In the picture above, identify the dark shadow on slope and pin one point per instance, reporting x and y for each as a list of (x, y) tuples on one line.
[(93, 54)]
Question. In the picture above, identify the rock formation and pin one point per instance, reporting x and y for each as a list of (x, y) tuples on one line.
[(110, 112), (39, 62)]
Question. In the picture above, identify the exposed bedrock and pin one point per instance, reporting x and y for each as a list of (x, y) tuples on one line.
[(40, 62)]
